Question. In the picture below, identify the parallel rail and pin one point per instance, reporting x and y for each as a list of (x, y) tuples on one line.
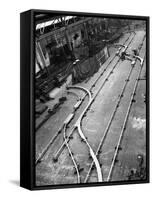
[(111, 120), (124, 124)]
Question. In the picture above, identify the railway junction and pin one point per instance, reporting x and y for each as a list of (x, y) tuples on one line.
[(90, 100)]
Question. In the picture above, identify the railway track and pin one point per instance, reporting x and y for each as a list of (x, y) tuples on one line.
[(117, 147), (124, 124), (93, 85), (95, 95)]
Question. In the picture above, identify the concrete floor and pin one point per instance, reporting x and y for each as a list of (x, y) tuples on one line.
[(94, 124)]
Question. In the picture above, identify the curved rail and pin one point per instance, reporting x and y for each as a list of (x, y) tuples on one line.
[(78, 126), (71, 154), (140, 59), (93, 155)]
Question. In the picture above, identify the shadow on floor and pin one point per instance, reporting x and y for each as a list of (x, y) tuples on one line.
[(15, 182)]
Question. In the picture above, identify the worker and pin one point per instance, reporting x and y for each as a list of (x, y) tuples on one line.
[(135, 51), (123, 54)]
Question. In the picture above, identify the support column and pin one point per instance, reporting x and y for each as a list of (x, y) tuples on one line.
[(69, 43)]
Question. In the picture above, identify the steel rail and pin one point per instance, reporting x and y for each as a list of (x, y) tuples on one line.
[(71, 154), (39, 158), (94, 157), (111, 61), (110, 121), (78, 127)]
